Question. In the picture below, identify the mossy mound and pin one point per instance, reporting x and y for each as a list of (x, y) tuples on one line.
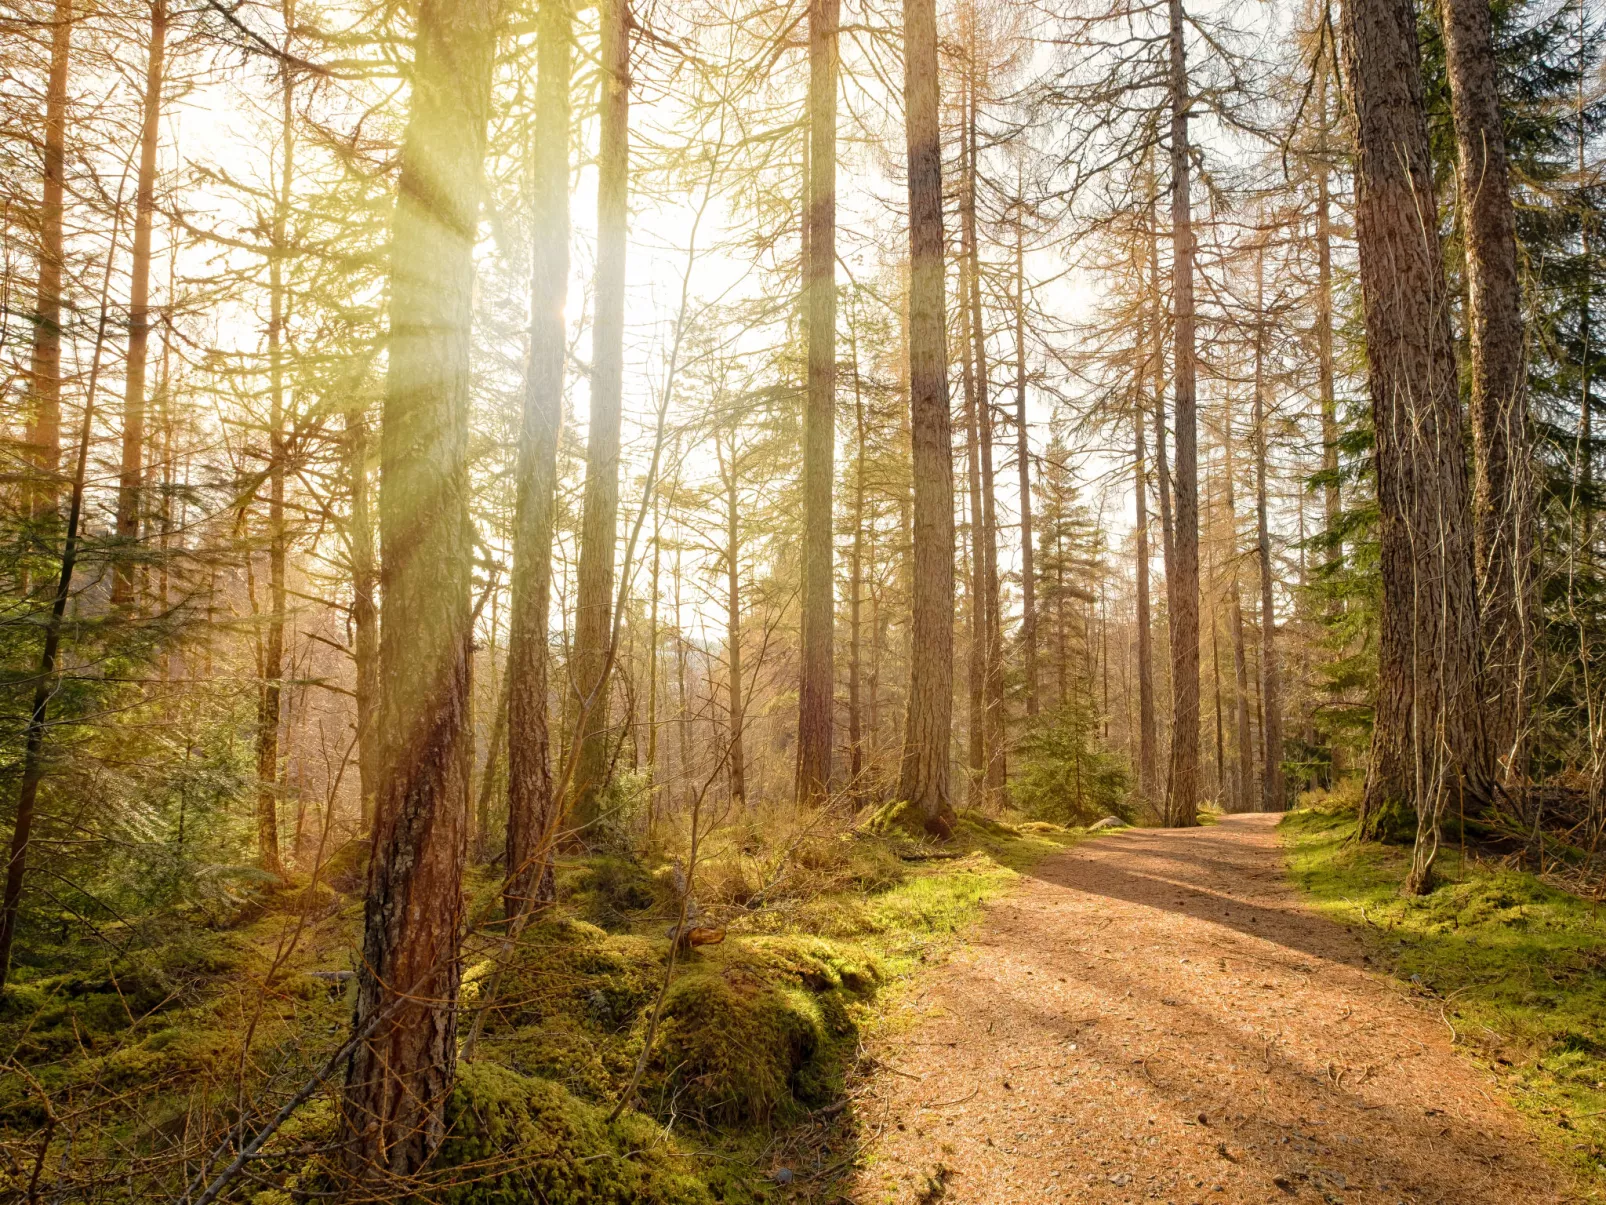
[(901, 816), (610, 891), (513, 1140), (733, 1049)]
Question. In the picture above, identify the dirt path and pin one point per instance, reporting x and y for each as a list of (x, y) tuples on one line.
[(1154, 1016)]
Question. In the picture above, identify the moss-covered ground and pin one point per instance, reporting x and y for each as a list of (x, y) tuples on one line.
[(139, 1050), (1516, 969)]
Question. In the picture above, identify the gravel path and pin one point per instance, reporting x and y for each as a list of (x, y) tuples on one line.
[(1154, 1016)]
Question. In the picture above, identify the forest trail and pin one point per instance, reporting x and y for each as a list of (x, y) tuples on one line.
[(1155, 1016)]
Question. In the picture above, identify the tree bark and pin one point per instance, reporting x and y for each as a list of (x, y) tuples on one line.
[(1502, 487), (402, 1069), (532, 817), (599, 520), (131, 479), (44, 365), (1273, 790), (923, 775), (856, 591), (1183, 786), (1243, 775), (1023, 453), (1427, 742), (976, 583), (816, 687), (736, 759), (1148, 752), (364, 612)]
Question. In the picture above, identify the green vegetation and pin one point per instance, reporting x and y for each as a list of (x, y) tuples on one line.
[(1516, 968), (757, 1033)]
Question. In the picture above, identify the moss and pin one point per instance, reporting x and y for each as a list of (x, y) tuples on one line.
[(525, 1140), (735, 1050), (1515, 965), (609, 891)]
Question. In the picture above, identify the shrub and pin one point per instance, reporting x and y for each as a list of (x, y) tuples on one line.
[(1064, 776)]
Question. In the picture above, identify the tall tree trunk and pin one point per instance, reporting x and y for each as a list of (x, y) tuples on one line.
[(1273, 790), (1148, 752), (976, 582), (1023, 454), (131, 478), (923, 776), (44, 365), (736, 759), (1243, 775), (532, 817), (1324, 315), (1183, 580), (403, 1065), (270, 693), (856, 589), (364, 612), (816, 687), (1502, 487), (1427, 741), (599, 519), (993, 682)]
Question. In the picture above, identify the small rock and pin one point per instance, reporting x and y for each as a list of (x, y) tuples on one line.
[(1120, 1179), (1107, 822), (783, 1175)]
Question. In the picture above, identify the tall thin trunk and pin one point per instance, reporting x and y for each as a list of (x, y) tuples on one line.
[(1148, 751), (923, 776), (532, 817), (976, 579), (1243, 775), (816, 685), (1273, 790), (364, 611), (1502, 487), (653, 641), (403, 1066), (993, 682), (736, 758), (131, 480), (270, 693), (856, 588), (1183, 580), (1023, 455), (44, 365), (1427, 742), (599, 519), (1331, 500)]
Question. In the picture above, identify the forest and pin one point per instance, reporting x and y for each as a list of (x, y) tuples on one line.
[(556, 556)]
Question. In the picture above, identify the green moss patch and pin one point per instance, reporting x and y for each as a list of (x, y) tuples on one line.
[(1520, 969)]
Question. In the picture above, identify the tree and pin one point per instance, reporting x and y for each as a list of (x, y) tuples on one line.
[(531, 808), (923, 777), (1502, 498), (815, 688), (1427, 742), (402, 1066), (599, 536)]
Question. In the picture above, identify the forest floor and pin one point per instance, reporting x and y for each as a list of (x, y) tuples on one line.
[(1158, 1016)]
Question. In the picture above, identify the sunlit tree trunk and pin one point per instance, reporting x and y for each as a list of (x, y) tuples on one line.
[(1243, 774), (1148, 752), (1427, 741), (816, 703), (600, 506), (131, 479), (1502, 489), (856, 590), (270, 692), (923, 776), (531, 809), (364, 611), (976, 576), (1182, 577), (44, 364), (736, 758), (404, 1062)]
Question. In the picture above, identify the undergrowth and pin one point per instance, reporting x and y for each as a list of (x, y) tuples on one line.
[(1516, 968), (149, 1047)]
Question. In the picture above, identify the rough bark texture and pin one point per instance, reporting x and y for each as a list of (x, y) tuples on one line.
[(1502, 491), (44, 364), (599, 519), (531, 809), (923, 774), (131, 479), (1182, 789), (364, 612), (402, 1068), (1426, 737), (1243, 772), (816, 702), (976, 578)]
